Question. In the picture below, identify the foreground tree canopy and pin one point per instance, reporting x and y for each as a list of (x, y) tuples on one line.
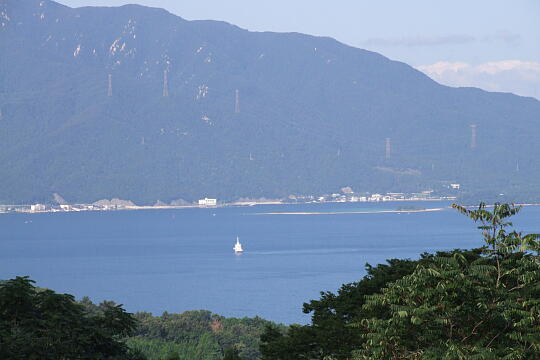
[(41, 324), (478, 304), (199, 335)]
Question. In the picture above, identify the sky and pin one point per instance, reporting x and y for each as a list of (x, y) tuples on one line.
[(491, 44)]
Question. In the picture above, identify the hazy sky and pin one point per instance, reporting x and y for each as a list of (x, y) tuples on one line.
[(459, 42)]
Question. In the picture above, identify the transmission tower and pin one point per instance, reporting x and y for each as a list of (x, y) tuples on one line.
[(109, 91), (237, 102), (473, 136), (387, 148), (165, 84)]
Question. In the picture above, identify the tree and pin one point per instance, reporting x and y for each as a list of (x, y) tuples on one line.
[(330, 335), (172, 356), (332, 314), (231, 353), (461, 308), (40, 324)]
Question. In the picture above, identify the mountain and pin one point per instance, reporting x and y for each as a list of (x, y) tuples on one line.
[(247, 113)]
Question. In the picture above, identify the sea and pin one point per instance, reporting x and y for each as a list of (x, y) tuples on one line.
[(176, 260)]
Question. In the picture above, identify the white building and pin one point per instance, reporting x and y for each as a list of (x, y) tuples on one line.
[(455, 186), (37, 207), (207, 202), (396, 196)]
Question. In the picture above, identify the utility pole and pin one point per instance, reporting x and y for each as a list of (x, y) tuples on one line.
[(388, 148), (109, 91), (237, 102), (165, 84), (473, 136)]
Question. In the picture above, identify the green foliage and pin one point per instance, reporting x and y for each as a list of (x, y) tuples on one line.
[(173, 356), (232, 353), (160, 349), (197, 335), (297, 343), (482, 303), (461, 308), (40, 324), (330, 334)]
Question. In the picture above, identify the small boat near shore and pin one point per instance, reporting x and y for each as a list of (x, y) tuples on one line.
[(238, 247)]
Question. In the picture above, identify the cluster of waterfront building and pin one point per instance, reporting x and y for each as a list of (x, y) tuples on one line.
[(427, 195), (35, 208), (344, 196)]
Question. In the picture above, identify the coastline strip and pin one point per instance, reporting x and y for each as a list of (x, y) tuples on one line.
[(350, 212)]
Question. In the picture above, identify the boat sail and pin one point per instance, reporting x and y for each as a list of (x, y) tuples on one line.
[(238, 247)]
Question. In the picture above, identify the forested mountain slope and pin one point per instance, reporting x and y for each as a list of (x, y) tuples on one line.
[(311, 114)]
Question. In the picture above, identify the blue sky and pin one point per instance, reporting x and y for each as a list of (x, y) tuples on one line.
[(460, 43)]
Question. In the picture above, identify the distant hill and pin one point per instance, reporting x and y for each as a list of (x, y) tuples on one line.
[(312, 114)]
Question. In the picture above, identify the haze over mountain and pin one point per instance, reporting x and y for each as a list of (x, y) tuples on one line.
[(312, 114)]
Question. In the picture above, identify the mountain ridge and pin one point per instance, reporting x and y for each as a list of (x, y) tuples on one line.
[(313, 113)]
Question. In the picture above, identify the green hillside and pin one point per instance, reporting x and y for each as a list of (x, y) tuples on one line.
[(312, 114)]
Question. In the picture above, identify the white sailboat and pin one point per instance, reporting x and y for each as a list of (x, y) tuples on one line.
[(238, 247)]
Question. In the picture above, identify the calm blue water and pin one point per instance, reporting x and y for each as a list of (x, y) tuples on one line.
[(177, 260)]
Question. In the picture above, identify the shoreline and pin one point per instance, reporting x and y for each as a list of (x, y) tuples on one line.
[(353, 212), (250, 204), (77, 208)]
